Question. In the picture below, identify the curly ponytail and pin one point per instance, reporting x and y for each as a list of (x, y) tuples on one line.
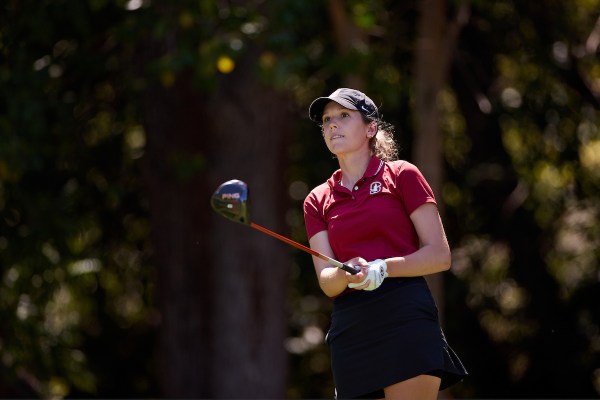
[(383, 144)]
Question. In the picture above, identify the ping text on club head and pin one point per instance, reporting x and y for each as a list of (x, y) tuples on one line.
[(230, 196)]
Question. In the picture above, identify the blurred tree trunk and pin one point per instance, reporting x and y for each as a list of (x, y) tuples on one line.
[(174, 119), (436, 42), (223, 313), (253, 129), (349, 39)]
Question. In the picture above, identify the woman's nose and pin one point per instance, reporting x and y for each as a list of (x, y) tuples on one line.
[(329, 125)]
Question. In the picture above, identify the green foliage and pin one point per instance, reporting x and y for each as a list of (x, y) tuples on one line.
[(529, 260), (73, 229)]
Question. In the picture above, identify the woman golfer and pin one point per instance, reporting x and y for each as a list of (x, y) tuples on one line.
[(379, 214)]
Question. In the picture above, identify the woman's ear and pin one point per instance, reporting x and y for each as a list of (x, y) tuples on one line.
[(372, 130)]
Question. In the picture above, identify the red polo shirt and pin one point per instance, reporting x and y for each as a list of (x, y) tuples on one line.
[(373, 220)]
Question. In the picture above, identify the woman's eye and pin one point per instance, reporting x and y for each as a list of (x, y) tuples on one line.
[(326, 119), (345, 114)]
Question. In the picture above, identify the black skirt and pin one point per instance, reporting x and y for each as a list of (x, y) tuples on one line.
[(388, 335)]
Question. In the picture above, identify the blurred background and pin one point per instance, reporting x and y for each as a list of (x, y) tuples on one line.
[(119, 118)]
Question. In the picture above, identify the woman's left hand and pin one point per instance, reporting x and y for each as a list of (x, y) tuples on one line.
[(376, 273)]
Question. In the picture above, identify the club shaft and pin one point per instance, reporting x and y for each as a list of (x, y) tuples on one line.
[(304, 248)]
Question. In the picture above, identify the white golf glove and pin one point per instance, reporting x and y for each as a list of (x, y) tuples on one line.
[(376, 273)]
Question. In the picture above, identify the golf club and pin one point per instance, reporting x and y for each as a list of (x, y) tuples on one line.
[(231, 201)]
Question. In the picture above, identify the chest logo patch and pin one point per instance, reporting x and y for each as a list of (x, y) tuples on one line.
[(375, 188)]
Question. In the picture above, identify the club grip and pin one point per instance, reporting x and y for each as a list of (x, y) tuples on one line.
[(352, 270)]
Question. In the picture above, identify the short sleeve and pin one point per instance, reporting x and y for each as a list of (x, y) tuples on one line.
[(414, 187), (314, 220)]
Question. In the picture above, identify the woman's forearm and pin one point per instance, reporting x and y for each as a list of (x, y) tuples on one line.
[(429, 259)]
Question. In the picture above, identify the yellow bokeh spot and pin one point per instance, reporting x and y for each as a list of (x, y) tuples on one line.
[(589, 155), (225, 64), (58, 388)]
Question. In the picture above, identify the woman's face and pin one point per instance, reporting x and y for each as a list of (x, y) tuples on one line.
[(344, 130)]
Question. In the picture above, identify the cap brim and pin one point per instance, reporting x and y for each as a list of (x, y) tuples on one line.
[(316, 108)]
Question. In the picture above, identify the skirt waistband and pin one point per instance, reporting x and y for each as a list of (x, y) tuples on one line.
[(352, 297)]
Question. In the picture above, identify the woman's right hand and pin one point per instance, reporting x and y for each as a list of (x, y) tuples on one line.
[(333, 280), (364, 269)]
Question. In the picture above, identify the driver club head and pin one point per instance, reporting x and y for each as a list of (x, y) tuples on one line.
[(231, 201)]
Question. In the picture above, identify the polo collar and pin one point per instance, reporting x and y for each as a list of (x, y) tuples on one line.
[(374, 167)]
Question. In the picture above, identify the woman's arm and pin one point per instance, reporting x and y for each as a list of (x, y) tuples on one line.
[(433, 255), (332, 280)]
